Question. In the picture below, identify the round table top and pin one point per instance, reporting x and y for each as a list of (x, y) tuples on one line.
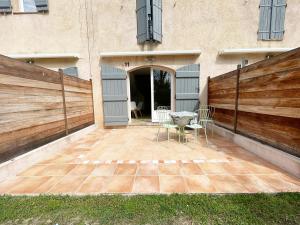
[(183, 114), (182, 118)]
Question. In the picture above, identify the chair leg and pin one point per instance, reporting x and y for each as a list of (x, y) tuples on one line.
[(157, 134), (196, 135), (205, 135), (135, 114), (168, 134)]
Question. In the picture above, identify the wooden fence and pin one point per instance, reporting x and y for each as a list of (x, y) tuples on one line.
[(261, 101), (38, 105)]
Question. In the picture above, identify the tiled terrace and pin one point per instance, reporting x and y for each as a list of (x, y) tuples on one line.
[(131, 161)]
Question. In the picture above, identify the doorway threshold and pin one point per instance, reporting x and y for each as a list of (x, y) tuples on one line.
[(142, 122)]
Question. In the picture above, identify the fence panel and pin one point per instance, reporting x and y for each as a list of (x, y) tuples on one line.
[(268, 104), (31, 106), (222, 92)]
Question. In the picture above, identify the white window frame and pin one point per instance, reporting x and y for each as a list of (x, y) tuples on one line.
[(21, 5)]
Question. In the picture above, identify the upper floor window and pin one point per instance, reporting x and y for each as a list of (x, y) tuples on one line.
[(33, 5), (149, 20), (271, 19), (27, 6)]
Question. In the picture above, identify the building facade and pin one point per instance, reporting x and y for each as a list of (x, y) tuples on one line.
[(127, 38)]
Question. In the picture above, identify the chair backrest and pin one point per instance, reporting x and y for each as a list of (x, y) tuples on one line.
[(203, 116), (163, 114), (133, 105), (140, 105), (211, 109)]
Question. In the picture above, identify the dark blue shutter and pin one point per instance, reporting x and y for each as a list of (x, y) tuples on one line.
[(72, 71), (114, 94), (5, 6), (278, 17), (157, 20), (265, 19), (41, 5), (142, 10), (187, 88)]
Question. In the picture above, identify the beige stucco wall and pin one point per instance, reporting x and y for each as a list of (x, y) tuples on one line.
[(89, 27)]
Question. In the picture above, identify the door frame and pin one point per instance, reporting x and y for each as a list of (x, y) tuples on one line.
[(173, 100), (172, 97)]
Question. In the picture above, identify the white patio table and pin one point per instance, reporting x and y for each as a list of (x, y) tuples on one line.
[(181, 119)]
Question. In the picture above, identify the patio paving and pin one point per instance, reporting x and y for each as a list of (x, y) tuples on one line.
[(131, 161)]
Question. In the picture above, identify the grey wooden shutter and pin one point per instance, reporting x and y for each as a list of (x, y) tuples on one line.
[(41, 5), (72, 71), (142, 10), (5, 6), (114, 93), (187, 88), (278, 17), (157, 20), (265, 19)]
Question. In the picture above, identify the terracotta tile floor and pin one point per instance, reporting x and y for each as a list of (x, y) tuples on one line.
[(131, 161)]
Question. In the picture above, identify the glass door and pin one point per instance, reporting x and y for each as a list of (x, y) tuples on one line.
[(161, 91)]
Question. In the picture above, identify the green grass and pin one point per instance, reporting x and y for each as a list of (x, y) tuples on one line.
[(152, 209)]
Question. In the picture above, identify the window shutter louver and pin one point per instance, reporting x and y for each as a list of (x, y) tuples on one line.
[(5, 6), (157, 20), (41, 5), (72, 71), (142, 21), (278, 17), (265, 19)]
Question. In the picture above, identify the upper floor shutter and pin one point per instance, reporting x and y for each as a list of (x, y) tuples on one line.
[(41, 5), (157, 20), (149, 20), (72, 71), (5, 6), (142, 20), (265, 19), (278, 17)]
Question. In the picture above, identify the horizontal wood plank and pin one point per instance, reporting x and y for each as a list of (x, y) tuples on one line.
[(20, 69), (10, 80)]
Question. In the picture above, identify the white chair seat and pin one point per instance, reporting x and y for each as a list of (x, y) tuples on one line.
[(194, 126)]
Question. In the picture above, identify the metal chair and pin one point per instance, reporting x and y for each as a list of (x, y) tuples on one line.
[(164, 120), (211, 113), (140, 107), (202, 120), (134, 109)]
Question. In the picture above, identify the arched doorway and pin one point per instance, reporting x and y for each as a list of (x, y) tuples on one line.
[(116, 96), (150, 87)]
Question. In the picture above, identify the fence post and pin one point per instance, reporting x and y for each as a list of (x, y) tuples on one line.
[(237, 90), (92, 99), (208, 80), (64, 100)]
